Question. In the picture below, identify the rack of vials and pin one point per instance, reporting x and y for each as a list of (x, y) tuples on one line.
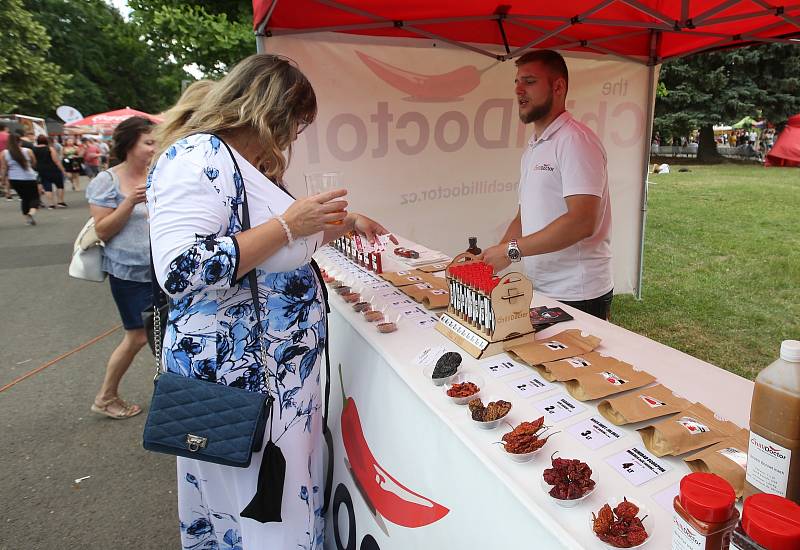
[(487, 312)]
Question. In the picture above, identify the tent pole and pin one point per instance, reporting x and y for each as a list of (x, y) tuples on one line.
[(651, 86)]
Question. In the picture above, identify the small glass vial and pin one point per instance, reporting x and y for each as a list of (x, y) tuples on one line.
[(705, 515), (769, 522)]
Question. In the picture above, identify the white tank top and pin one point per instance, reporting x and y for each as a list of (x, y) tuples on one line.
[(17, 172)]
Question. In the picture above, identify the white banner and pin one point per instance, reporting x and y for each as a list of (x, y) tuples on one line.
[(428, 140)]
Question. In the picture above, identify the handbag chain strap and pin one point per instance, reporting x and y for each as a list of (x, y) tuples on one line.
[(157, 334)]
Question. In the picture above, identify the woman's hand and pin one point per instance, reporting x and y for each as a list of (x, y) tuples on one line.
[(138, 195), (370, 229), (316, 213)]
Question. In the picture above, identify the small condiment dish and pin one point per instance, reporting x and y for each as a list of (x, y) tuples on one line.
[(571, 503), (647, 522)]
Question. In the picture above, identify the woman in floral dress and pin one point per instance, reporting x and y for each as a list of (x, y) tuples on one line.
[(201, 258)]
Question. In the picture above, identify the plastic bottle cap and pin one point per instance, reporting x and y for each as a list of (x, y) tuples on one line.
[(772, 521), (707, 497), (790, 350)]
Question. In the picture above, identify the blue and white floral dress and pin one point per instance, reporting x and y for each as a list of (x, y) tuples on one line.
[(194, 201)]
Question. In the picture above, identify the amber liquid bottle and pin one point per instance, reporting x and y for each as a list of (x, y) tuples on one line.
[(773, 458), (473, 246)]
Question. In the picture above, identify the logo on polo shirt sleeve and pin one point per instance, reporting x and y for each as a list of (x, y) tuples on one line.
[(543, 166)]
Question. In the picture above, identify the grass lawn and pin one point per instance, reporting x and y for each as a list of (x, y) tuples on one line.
[(721, 266)]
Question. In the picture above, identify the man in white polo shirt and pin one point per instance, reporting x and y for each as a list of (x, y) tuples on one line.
[(562, 231)]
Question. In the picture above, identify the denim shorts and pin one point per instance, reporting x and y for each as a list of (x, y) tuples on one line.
[(132, 298)]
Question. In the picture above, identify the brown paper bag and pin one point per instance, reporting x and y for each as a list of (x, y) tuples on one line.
[(404, 278), (617, 377), (568, 343), (689, 430), (433, 268), (727, 459), (643, 405), (567, 369), (428, 295)]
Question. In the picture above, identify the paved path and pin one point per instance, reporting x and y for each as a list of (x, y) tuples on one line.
[(49, 438)]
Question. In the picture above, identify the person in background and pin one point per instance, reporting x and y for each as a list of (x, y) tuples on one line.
[(51, 172), (58, 147), (562, 230), (18, 164), (116, 200), (103, 146), (72, 163), (91, 157), (3, 144)]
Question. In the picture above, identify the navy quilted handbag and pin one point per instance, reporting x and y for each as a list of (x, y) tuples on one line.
[(204, 420)]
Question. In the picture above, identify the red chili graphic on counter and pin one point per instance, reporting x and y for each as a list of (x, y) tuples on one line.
[(421, 87), (394, 502)]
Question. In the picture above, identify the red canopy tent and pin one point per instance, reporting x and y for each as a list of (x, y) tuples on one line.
[(648, 31), (112, 118), (786, 151), (645, 32)]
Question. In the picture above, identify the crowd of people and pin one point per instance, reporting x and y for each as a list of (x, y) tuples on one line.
[(35, 168)]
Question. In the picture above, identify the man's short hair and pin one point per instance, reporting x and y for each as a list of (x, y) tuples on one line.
[(550, 59), (2, 127)]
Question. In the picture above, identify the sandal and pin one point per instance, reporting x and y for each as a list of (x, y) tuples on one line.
[(126, 410)]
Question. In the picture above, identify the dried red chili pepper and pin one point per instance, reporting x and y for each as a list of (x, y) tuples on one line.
[(395, 502), (620, 527)]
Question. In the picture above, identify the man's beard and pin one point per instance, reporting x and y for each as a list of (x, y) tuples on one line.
[(538, 112)]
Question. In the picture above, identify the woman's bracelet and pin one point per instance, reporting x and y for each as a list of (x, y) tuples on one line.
[(286, 229)]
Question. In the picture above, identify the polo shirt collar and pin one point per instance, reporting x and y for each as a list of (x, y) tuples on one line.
[(554, 126)]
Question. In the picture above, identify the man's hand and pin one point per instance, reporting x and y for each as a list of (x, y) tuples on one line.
[(371, 229), (497, 257)]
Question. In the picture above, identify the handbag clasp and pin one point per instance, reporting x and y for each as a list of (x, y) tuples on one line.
[(196, 442)]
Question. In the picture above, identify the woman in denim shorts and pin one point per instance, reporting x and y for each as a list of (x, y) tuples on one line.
[(116, 199)]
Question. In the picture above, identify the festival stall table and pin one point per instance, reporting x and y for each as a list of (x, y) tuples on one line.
[(436, 480)]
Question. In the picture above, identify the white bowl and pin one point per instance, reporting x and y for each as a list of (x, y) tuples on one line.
[(491, 424), (572, 502), (460, 378), (428, 373), (649, 524)]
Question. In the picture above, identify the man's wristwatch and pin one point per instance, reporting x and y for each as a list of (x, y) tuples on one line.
[(513, 253)]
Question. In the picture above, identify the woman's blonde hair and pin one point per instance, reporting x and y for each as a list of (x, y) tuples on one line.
[(170, 130), (263, 93)]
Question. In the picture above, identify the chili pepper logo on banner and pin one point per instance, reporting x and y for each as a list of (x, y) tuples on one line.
[(434, 88), (383, 493)]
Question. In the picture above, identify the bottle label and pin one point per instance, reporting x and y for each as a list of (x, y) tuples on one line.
[(768, 465), (684, 537)]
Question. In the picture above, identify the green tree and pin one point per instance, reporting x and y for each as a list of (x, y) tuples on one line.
[(212, 34), (28, 82), (111, 65), (712, 88)]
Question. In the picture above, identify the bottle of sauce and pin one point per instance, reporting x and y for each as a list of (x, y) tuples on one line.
[(705, 513), (473, 246), (773, 458), (769, 522)]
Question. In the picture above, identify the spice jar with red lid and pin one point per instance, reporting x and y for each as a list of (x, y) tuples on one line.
[(769, 522), (705, 513)]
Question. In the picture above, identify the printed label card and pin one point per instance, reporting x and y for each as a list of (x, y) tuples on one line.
[(637, 465), (596, 432), (559, 407)]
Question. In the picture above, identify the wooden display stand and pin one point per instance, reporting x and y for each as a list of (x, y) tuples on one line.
[(510, 302)]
